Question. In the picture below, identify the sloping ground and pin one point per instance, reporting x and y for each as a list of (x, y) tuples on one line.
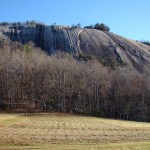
[(64, 131), (8, 120), (76, 41), (113, 47)]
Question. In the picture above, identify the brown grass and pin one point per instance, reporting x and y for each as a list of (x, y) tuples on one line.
[(63, 129)]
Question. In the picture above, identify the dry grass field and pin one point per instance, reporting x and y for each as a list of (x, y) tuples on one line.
[(64, 131)]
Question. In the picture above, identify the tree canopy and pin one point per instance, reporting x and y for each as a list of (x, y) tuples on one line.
[(98, 26)]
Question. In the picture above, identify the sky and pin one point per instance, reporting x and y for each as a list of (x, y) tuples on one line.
[(128, 18)]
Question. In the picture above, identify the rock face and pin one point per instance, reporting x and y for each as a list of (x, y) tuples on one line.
[(49, 38), (76, 41)]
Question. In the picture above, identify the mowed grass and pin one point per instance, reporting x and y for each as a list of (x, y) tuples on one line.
[(8, 119), (65, 131)]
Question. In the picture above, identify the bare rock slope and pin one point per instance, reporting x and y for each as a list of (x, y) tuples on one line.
[(77, 41)]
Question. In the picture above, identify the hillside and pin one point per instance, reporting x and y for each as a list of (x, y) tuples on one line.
[(81, 42), (76, 78)]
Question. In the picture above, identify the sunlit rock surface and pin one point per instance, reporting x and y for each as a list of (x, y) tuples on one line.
[(76, 41)]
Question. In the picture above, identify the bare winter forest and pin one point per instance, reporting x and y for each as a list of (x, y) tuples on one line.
[(31, 80)]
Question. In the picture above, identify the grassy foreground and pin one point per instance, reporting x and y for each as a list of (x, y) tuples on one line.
[(64, 131)]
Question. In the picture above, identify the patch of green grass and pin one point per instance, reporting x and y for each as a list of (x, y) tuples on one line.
[(8, 119)]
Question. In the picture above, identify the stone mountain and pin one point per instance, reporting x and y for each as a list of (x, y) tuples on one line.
[(81, 42)]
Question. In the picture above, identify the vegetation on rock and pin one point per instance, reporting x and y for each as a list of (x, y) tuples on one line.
[(98, 26)]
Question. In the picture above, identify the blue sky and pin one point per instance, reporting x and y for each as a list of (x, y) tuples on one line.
[(128, 18)]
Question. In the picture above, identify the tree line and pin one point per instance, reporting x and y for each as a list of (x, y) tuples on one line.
[(99, 26), (31, 80), (28, 22)]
